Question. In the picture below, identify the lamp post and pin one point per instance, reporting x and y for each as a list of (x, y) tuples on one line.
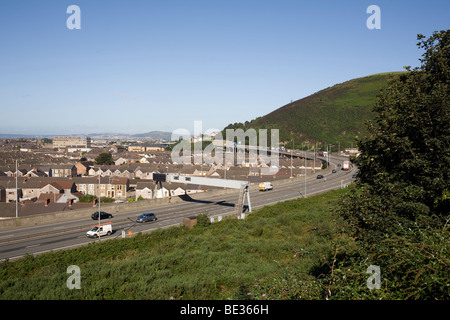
[(99, 197), (304, 158), (17, 195)]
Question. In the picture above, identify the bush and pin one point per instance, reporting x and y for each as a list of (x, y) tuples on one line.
[(87, 198), (203, 220), (107, 200)]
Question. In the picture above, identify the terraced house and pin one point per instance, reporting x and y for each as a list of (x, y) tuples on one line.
[(63, 170), (111, 187)]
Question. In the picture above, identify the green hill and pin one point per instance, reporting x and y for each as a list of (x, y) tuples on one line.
[(334, 115)]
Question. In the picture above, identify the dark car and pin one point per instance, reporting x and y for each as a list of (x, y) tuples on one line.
[(146, 217), (103, 215), (333, 171), (319, 176)]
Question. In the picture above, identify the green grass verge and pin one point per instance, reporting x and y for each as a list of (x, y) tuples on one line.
[(277, 252)]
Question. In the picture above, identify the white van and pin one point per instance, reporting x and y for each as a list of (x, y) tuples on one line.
[(264, 186), (96, 231)]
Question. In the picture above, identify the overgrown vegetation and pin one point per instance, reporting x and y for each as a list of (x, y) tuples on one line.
[(272, 254), (335, 115), (399, 209)]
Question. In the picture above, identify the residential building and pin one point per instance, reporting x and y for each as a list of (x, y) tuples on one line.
[(83, 167), (146, 147), (63, 170), (64, 142), (111, 187)]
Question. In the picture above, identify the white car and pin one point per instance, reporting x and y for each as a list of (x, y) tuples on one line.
[(96, 231)]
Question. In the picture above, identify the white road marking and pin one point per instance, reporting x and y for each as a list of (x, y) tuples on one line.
[(33, 245)]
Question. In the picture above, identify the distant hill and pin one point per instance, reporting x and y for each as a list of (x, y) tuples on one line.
[(333, 115), (154, 135)]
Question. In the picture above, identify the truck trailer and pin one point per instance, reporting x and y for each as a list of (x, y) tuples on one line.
[(346, 165)]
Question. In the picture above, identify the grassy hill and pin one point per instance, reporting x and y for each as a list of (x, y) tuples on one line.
[(334, 115), (277, 252)]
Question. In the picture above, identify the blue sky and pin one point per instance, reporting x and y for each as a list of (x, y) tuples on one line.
[(137, 66)]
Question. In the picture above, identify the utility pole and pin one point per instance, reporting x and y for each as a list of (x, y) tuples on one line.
[(291, 154), (17, 195), (291, 163), (304, 154), (314, 163), (99, 199)]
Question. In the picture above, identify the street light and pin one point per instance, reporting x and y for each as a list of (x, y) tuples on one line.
[(99, 199), (17, 194)]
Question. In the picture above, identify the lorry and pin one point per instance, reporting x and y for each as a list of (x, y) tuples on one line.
[(97, 231), (346, 165), (265, 186)]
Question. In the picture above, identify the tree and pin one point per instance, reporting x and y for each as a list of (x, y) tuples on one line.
[(104, 158), (404, 161), (398, 211)]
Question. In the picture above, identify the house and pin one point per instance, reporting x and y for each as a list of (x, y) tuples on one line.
[(36, 173), (59, 197), (63, 170), (11, 195), (8, 184), (12, 172), (161, 193), (145, 190), (144, 173), (30, 189), (155, 147), (111, 187), (127, 159), (83, 167), (146, 147), (59, 186), (178, 191), (144, 160), (34, 188)]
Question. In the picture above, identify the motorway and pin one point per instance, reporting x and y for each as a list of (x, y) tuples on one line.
[(17, 242)]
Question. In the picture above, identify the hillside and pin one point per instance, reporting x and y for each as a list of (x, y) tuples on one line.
[(227, 259), (334, 115)]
